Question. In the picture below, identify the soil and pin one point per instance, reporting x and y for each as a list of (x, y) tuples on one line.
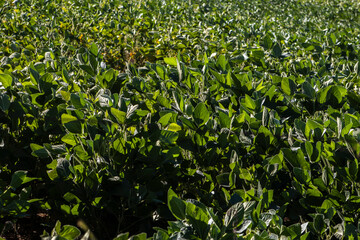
[(26, 228)]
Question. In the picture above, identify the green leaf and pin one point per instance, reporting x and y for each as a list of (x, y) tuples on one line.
[(245, 174), (65, 76), (319, 224), (300, 126), (313, 129), (277, 50), (234, 216), (309, 149), (188, 122), (80, 152), (30, 47), (201, 114), (71, 123), (141, 236), (313, 151), (179, 101), (93, 63), (161, 235), (92, 121), (346, 129), (71, 198), (221, 61), (119, 115), (287, 231), (295, 158), (302, 175), (249, 102), (308, 90), (160, 70), (224, 120), (109, 75), (173, 127), (69, 139), (4, 102), (267, 42), (352, 145), (88, 70), (168, 137), (63, 168), (34, 76), (77, 100), (122, 236), (118, 145), (176, 205), (332, 39), (163, 101), (46, 83), (39, 151), (350, 230), (263, 140), (171, 61), (339, 93), (330, 213), (288, 86), (296, 228), (57, 227), (199, 219), (164, 120), (6, 80), (353, 168), (94, 49), (66, 118), (52, 174), (323, 95), (69, 232), (223, 179), (257, 54), (19, 177)]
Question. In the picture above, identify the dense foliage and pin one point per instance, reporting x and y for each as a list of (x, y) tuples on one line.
[(197, 119)]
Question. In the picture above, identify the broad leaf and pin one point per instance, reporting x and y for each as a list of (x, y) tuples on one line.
[(176, 205), (4, 102), (6, 80), (70, 232), (277, 50), (288, 86), (122, 236), (234, 216), (71, 123), (120, 116), (201, 114), (19, 177), (170, 61), (199, 219)]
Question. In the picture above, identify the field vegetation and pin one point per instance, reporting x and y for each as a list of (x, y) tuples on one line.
[(174, 119)]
